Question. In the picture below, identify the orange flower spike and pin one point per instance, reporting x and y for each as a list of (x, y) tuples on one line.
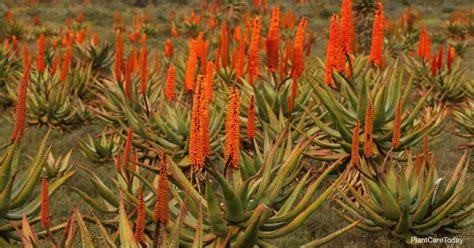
[(378, 28), (66, 64), (237, 34), (232, 128), (141, 218), (205, 138), (434, 65), (427, 48), (174, 31), (95, 39), (355, 145), (72, 38), (298, 55), (347, 27), (20, 112), (421, 44), (332, 49), (170, 83), (208, 80), (143, 40), (368, 130), (418, 163), (118, 166), (118, 58), (251, 119), (64, 41), (161, 207), (224, 45), (40, 65), (80, 37), (168, 49), (80, 17), (196, 152), (451, 56), (397, 125), (128, 147), (144, 72), (56, 61), (239, 63), (15, 45), (273, 40), (6, 45), (44, 204), (252, 63), (439, 60), (191, 67)]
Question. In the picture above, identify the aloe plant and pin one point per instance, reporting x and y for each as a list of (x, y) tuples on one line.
[(99, 150), (380, 92), (268, 197), (54, 103), (410, 200), (18, 187)]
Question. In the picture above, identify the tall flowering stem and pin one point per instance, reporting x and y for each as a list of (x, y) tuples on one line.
[(191, 66), (332, 50), (232, 129), (208, 81), (168, 49), (141, 218), (118, 58), (224, 45), (161, 205), (56, 61), (439, 60), (397, 125), (44, 204), (251, 119), (355, 145), (368, 130), (273, 40), (170, 83), (298, 56), (347, 27), (20, 112), (66, 64), (422, 43), (378, 28), (144, 71), (252, 64), (40, 65), (198, 146), (451, 56), (239, 63)]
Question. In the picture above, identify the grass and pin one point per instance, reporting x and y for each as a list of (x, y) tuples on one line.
[(100, 16)]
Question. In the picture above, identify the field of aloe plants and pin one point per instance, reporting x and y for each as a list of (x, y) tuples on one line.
[(219, 123)]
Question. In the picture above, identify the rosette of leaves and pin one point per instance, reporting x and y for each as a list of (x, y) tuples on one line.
[(345, 106), (410, 200), (18, 185)]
